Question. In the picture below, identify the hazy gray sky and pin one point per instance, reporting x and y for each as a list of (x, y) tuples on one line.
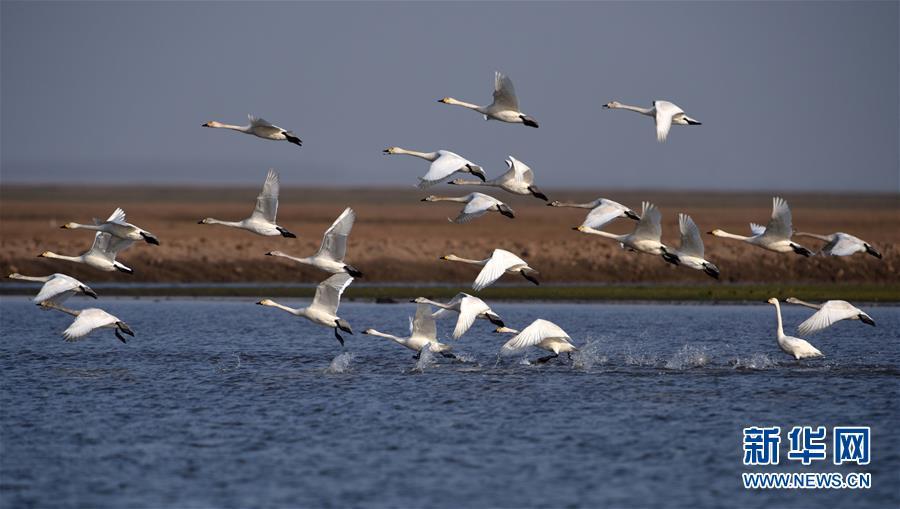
[(792, 96)]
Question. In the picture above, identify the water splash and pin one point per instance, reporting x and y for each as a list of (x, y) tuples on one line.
[(340, 364), (689, 357), (755, 361), (589, 356), (425, 360)]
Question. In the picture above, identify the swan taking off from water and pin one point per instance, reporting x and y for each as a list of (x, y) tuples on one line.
[(260, 128), (262, 220), (775, 236), (828, 314), (330, 256), (542, 334), (422, 333), (443, 164), (842, 244), (117, 227), (602, 211), (102, 254), (646, 235), (468, 307), (57, 287), (796, 347), (501, 262), (505, 107), (690, 254), (663, 112), (518, 179), (323, 310), (88, 320), (477, 204)]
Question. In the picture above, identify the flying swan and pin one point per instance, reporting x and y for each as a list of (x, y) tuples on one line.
[(602, 211), (443, 164), (261, 129), (501, 262), (842, 244), (330, 256), (690, 254), (505, 107), (542, 334), (477, 204), (646, 235), (422, 333), (262, 220), (828, 314), (102, 254), (88, 320), (775, 236), (518, 179), (117, 227), (663, 112), (468, 307), (323, 310), (795, 347), (57, 287)]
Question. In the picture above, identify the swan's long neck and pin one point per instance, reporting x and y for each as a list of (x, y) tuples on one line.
[(290, 310), (464, 182), (53, 305), (79, 226), (642, 111), (726, 235), (464, 104), (307, 260), (588, 205), (241, 128), (804, 303), (373, 332), (826, 238), (459, 199), (39, 279), (436, 304), (602, 233), (50, 254), (428, 156), (467, 260), (236, 224), (780, 330)]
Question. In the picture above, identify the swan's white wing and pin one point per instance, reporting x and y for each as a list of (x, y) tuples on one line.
[(263, 127), (830, 312), (328, 293), (469, 309), (118, 216), (267, 201), (59, 288), (521, 172), (86, 321), (648, 228), (260, 122), (496, 266), (423, 325), (476, 207), (665, 111), (779, 226), (334, 242), (107, 246), (442, 167), (603, 214), (691, 242), (757, 229), (504, 92), (532, 335), (843, 245)]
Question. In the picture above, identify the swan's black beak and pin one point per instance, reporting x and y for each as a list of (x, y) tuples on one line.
[(200, 222), (424, 199), (206, 124)]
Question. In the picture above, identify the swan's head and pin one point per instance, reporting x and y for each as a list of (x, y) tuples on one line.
[(205, 221), (420, 300), (46, 254), (430, 198), (69, 226), (612, 105), (391, 150), (505, 330), (716, 232), (792, 300), (274, 253), (450, 257), (446, 100), (266, 302), (369, 331), (212, 123), (773, 300), (15, 275)]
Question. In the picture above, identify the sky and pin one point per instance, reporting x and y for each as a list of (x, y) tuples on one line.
[(792, 95)]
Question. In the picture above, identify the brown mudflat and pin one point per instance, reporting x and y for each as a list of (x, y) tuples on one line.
[(397, 238)]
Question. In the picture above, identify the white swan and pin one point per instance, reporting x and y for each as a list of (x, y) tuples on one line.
[(422, 333), (501, 262), (117, 227), (646, 235), (775, 236), (88, 320), (330, 256), (468, 307), (796, 347), (102, 254), (663, 112), (505, 107), (260, 128), (602, 211), (690, 253), (443, 164), (542, 334), (828, 314), (842, 244), (57, 287), (518, 179), (477, 204), (262, 220), (324, 306)]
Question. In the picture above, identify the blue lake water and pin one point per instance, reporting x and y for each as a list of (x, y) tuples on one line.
[(221, 403)]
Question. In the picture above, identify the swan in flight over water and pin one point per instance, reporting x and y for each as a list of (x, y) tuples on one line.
[(795, 347), (477, 204), (541, 334), (663, 112), (422, 333), (262, 220), (775, 236), (501, 262), (330, 256), (117, 227), (518, 179), (102, 254), (88, 320), (468, 307), (57, 287), (261, 129), (443, 164), (842, 244), (828, 314), (690, 254), (646, 235), (323, 310), (602, 211), (505, 107)]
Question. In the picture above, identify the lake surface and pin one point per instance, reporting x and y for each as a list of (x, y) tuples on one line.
[(221, 403)]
